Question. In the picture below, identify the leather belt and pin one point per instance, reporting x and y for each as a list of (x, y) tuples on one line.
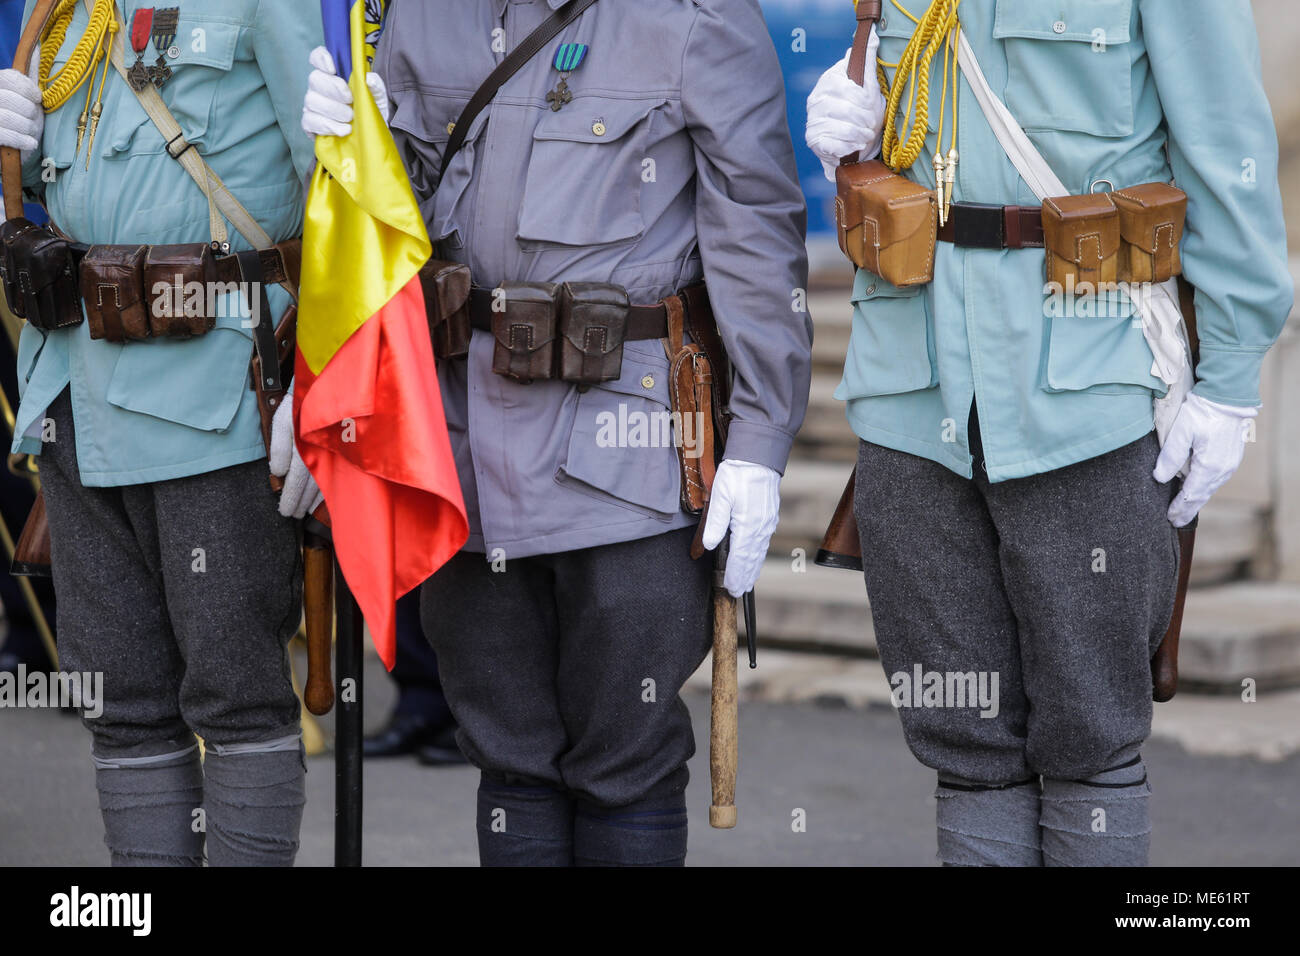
[(643, 321), (981, 226)]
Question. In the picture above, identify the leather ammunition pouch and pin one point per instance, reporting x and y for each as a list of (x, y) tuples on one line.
[(886, 223), (179, 280), (592, 325), (523, 325), (113, 288), (1081, 234), (42, 275), (446, 288), (1151, 220), (11, 232)]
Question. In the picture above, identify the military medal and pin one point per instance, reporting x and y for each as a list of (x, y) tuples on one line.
[(567, 59), (141, 25), (164, 35)]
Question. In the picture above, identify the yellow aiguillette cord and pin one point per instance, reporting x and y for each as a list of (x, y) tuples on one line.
[(934, 30), (59, 88)]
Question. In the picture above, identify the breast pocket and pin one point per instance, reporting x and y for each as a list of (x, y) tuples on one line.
[(622, 444), (1069, 64), (425, 122), (891, 349), (585, 174), (203, 53)]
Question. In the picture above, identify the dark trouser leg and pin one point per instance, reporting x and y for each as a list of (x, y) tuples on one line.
[(233, 615), (563, 672), (938, 603), (495, 636), (634, 625), (113, 621), (184, 594), (419, 686), (1090, 561)]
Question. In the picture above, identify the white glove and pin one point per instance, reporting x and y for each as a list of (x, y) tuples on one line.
[(327, 108), (1214, 437), (747, 499), (301, 495), (22, 118), (843, 117)]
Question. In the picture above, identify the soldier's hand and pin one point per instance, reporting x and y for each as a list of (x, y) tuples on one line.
[(327, 108), (1213, 436), (301, 495), (746, 498), (843, 117), (22, 118)]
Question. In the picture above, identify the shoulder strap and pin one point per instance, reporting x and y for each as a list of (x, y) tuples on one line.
[(868, 13), (220, 200), (507, 68)]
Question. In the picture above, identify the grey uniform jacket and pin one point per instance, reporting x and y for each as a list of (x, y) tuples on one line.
[(672, 163)]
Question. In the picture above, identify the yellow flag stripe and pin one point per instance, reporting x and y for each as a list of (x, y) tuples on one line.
[(364, 237)]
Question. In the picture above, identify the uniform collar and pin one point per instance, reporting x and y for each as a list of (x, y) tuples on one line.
[(500, 5)]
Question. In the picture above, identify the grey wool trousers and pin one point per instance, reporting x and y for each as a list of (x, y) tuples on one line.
[(564, 672), (1049, 595), (184, 595)]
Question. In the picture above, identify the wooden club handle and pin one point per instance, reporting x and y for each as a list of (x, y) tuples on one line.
[(11, 162), (724, 751), (318, 600)]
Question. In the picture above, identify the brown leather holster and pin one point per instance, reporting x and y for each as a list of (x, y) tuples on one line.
[(699, 390)]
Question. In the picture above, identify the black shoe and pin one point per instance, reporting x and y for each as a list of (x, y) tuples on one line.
[(404, 735), (442, 750)]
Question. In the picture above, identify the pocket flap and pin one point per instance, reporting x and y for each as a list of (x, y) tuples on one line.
[(1080, 21), (595, 119)]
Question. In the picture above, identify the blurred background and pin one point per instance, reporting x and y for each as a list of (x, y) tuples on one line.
[(817, 732)]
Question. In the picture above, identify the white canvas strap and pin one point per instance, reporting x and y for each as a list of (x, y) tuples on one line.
[(1157, 305), (221, 202)]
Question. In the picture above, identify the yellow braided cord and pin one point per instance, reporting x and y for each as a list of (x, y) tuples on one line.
[(59, 88), (931, 34)]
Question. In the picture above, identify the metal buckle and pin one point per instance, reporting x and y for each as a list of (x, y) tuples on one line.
[(978, 225)]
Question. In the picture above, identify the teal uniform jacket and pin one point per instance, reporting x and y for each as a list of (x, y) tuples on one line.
[(160, 409), (1118, 91)]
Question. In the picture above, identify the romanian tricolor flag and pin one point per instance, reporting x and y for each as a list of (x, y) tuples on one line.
[(367, 409)]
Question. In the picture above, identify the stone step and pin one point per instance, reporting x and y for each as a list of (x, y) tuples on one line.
[(1230, 632)]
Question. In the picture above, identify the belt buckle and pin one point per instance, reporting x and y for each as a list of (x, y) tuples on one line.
[(980, 226)]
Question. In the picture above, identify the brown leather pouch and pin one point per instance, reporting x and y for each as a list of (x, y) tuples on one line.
[(524, 330), (887, 224), (592, 324), (1151, 219), (446, 300), (46, 275), (179, 284), (1082, 238), (112, 285), (11, 232)]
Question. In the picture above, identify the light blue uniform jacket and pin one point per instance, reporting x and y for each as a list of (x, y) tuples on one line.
[(1129, 91), (149, 411)]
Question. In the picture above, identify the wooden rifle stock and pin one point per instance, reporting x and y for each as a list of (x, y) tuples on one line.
[(32, 552)]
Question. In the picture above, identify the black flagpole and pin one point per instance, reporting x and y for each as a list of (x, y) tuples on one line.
[(347, 729)]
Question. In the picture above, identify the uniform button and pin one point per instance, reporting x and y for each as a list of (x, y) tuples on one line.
[(884, 22), (598, 128), (871, 290), (451, 127), (173, 52), (1058, 26), (647, 381)]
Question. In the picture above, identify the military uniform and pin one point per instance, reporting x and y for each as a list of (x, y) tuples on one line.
[(671, 164), (1009, 518), (176, 576)]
